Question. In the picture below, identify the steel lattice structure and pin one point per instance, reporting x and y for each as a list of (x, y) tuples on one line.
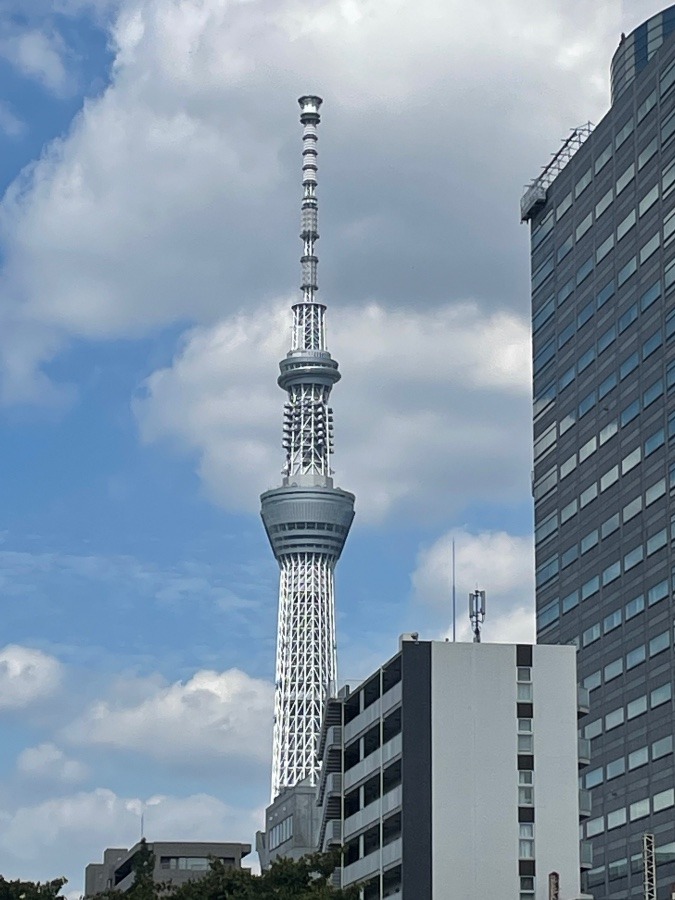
[(307, 519)]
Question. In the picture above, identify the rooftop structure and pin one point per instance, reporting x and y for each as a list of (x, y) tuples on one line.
[(307, 519)]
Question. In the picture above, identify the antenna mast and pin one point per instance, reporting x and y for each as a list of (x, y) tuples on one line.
[(454, 596), (477, 613)]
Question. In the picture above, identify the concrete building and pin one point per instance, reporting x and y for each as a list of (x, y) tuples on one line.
[(291, 823), (175, 862), (452, 771), (602, 229)]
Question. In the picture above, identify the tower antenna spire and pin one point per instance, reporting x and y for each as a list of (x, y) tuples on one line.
[(307, 519)]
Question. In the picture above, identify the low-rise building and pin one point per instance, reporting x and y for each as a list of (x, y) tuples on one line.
[(175, 862)]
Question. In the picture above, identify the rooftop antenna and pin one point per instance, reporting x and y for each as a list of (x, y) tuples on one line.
[(454, 596), (477, 613)]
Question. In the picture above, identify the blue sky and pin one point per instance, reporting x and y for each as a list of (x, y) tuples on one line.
[(149, 154)]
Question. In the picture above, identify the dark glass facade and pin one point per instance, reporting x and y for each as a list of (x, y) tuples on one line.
[(603, 318)]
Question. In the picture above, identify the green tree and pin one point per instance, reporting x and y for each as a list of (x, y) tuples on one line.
[(305, 879), (29, 890)]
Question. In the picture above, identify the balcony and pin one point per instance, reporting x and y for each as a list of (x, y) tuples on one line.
[(368, 865), (376, 710), (330, 785), (373, 812), (583, 701), (333, 835), (584, 752), (585, 855), (333, 738), (374, 761), (585, 804)]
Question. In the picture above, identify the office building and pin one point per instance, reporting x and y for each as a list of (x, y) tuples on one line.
[(176, 862), (602, 228), (452, 771), (307, 519)]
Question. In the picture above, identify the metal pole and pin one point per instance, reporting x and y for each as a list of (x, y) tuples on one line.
[(454, 596)]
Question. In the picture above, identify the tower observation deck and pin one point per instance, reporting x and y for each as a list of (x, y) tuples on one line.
[(307, 519)]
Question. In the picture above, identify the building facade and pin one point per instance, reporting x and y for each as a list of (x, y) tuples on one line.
[(452, 771), (602, 229), (176, 862)]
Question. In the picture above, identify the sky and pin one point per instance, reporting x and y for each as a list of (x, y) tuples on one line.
[(150, 175)]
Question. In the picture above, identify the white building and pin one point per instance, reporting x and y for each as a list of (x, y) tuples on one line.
[(452, 772)]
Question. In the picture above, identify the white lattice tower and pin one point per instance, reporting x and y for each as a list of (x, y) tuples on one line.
[(307, 519)]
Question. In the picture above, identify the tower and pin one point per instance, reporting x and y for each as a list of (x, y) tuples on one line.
[(307, 519), (602, 227)]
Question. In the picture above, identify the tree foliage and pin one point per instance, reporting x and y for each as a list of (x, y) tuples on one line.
[(304, 879), (29, 890)]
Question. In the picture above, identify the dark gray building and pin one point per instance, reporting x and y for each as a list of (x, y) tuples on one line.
[(602, 220), (175, 862)]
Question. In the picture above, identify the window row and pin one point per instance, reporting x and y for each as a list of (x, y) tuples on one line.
[(614, 620), (549, 526), (551, 567), (281, 833), (545, 396), (657, 697), (619, 868), (551, 611), (551, 477), (638, 810), (659, 749)]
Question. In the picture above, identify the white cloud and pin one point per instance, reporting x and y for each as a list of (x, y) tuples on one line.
[(499, 563), (433, 409), (27, 676), (48, 762), (41, 56), (62, 834), (214, 715), (170, 197), (10, 124)]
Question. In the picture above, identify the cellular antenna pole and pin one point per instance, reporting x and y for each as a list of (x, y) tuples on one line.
[(307, 518), (477, 613)]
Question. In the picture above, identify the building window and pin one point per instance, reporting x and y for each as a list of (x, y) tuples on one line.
[(639, 810), (663, 800), (635, 657), (634, 606), (638, 758), (662, 747), (281, 833), (660, 695), (613, 670), (593, 778), (657, 592), (614, 718), (616, 819), (615, 768), (595, 826), (636, 707), (526, 842), (659, 643)]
